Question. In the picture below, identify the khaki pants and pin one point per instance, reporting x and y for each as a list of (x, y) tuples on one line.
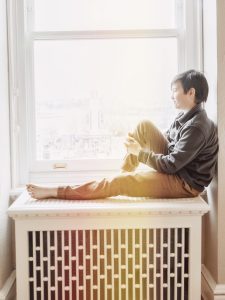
[(135, 183)]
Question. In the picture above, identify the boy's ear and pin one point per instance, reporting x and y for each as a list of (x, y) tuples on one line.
[(191, 92)]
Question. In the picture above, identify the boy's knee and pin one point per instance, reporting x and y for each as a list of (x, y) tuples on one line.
[(144, 125)]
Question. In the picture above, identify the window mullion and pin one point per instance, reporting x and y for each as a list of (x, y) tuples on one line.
[(29, 65), (181, 39), (64, 35), (193, 34)]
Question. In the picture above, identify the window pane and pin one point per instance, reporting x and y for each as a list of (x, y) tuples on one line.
[(90, 93), (60, 15)]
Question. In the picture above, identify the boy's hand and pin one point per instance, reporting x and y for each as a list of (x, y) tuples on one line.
[(132, 145)]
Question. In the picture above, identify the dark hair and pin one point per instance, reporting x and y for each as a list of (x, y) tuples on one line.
[(193, 79)]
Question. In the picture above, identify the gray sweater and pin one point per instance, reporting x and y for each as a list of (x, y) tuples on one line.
[(192, 149)]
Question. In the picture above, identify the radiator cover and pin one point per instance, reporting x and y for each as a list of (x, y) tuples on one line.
[(117, 248)]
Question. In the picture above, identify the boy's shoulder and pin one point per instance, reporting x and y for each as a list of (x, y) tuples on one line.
[(202, 121)]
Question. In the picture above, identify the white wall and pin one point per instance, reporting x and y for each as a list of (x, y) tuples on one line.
[(214, 66), (221, 131), (5, 181), (210, 70)]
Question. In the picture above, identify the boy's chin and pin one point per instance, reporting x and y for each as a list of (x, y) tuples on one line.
[(177, 106)]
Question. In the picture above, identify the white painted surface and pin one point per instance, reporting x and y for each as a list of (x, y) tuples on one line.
[(27, 207), (190, 55), (5, 184), (115, 213), (8, 291), (210, 289)]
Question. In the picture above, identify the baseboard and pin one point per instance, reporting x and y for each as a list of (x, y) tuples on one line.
[(8, 291), (210, 289)]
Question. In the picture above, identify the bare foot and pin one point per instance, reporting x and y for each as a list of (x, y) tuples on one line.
[(39, 192)]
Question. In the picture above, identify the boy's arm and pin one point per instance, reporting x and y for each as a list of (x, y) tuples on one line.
[(166, 133), (185, 150)]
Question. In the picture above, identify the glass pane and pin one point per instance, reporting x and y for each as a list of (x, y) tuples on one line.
[(90, 93), (58, 15)]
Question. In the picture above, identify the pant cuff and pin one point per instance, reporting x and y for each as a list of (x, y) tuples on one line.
[(61, 192)]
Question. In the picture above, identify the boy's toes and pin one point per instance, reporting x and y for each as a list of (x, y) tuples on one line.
[(33, 185), (30, 186)]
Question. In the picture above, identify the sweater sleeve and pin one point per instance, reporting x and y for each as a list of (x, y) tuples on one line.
[(184, 151)]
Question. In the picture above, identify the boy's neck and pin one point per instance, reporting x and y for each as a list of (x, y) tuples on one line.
[(187, 109)]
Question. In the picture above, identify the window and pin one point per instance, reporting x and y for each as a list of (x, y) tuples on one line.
[(83, 73)]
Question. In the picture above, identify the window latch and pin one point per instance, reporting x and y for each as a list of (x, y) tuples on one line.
[(60, 166)]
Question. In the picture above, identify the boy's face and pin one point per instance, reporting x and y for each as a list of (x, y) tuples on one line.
[(180, 99)]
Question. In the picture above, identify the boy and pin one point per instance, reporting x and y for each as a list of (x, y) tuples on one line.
[(183, 158)]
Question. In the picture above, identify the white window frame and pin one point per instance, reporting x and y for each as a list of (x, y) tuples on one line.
[(24, 169)]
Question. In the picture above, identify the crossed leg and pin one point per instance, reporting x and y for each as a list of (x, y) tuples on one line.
[(150, 138)]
